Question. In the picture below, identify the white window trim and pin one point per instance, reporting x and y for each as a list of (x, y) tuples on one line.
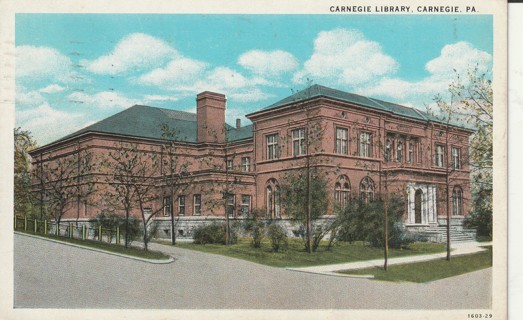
[(195, 204), (298, 136), (342, 140)]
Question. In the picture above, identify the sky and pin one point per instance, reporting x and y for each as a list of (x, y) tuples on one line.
[(73, 70)]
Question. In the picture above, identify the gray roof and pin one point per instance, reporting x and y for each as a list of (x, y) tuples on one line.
[(145, 122), (316, 91)]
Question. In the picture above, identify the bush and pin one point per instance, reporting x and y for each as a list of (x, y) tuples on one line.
[(255, 227), (362, 221), (278, 236), (213, 233), (110, 222)]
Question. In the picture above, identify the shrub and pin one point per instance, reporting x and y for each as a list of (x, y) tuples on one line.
[(278, 236), (110, 222), (255, 227), (213, 233)]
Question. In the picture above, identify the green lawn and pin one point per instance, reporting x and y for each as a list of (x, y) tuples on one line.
[(430, 270), (296, 256), (131, 251)]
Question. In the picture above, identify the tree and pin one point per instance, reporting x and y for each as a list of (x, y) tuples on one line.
[(132, 173), (23, 197), (58, 183), (176, 177), (471, 102), (310, 185)]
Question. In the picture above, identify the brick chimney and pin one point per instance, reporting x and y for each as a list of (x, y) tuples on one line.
[(238, 123), (210, 114)]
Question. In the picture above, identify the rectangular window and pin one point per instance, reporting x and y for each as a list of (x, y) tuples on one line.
[(246, 204), (272, 146), (197, 204), (230, 205), (456, 158), (229, 164), (167, 206), (298, 142), (181, 205), (439, 156), (410, 158), (246, 164), (365, 144), (342, 141)]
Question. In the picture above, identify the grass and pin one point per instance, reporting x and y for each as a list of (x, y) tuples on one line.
[(296, 256), (430, 270), (131, 251)]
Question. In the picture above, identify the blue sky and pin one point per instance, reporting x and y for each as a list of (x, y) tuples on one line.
[(73, 70)]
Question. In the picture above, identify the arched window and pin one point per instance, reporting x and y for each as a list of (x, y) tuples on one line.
[(342, 191), (273, 199), (367, 190), (457, 201)]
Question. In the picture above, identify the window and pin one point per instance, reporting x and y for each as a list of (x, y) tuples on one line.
[(230, 204), (229, 164), (197, 204), (342, 141), (367, 190), (456, 161), (298, 142), (399, 151), (167, 206), (181, 205), (457, 201), (246, 204), (388, 145), (439, 155), (272, 146), (365, 144), (342, 192), (272, 196), (410, 158), (246, 164)]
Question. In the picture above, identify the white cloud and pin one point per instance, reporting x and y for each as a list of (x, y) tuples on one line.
[(48, 124), (454, 59), (268, 63), (155, 97), (37, 63), (135, 52), (346, 57), (102, 100), (179, 72), (26, 98), (52, 88), (250, 95), (460, 57)]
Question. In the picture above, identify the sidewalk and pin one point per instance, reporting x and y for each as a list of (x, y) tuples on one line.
[(332, 269)]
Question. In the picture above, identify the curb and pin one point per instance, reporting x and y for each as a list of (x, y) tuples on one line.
[(153, 261), (334, 274)]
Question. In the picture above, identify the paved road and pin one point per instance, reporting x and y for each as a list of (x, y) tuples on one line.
[(52, 275)]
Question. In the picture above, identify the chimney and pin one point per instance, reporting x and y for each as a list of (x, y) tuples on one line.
[(238, 123), (210, 116)]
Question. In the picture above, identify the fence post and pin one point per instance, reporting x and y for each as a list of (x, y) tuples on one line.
[(118, 235), (45, 226), (100, 233), (14, 225), (83, 231), (57, 231), (35, 225), (25, 223), (71, 230)]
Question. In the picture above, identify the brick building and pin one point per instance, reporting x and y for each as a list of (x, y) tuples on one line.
[(363, 145)]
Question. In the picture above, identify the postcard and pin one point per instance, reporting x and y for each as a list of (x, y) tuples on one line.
[(255, 159)]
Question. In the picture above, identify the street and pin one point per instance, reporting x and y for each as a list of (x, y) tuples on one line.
[(52, 275)]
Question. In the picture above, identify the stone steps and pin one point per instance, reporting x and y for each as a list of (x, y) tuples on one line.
[(439, 234)]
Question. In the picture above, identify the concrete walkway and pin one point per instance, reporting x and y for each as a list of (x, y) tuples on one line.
[(332, 269)]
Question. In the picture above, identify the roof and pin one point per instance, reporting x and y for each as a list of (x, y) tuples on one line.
[(145, 122), (316, 91)]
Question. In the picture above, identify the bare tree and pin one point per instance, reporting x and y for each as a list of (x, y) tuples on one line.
[(131, 175), (23, 198), (57, 181)]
